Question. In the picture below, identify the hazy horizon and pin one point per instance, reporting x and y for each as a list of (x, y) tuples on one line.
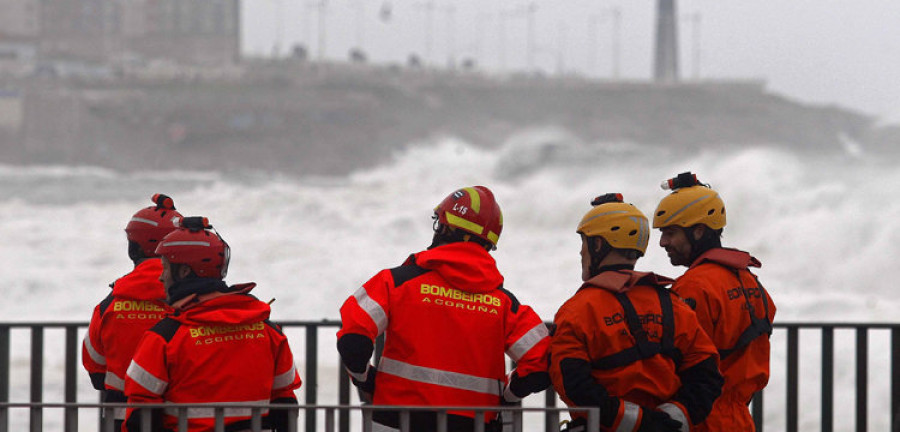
[(824, 52)]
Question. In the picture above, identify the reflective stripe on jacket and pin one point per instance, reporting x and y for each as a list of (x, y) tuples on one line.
[(723, 292), (136, 303), (222, 350), (448, 323)]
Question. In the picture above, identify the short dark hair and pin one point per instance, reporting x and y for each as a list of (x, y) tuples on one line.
[(447, 234)]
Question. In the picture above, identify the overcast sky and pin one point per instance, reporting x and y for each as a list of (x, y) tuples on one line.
[(844, 52)]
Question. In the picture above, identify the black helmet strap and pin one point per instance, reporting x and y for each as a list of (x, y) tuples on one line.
[(597, 252), (710, 239)]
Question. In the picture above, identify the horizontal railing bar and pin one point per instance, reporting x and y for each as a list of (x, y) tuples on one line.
[(337, 323), (64, 324), (411, 408)]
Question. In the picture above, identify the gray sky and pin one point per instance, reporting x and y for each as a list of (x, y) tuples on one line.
[(844, 52)]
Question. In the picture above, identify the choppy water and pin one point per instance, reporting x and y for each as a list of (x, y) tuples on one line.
[(824, 226)]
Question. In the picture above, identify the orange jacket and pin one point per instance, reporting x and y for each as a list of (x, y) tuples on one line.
[(136, 303), (597, 360), (222, 349), (448, 322), (719, 286)]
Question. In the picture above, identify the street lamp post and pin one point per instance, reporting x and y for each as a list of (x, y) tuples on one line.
[(694, 20), (323, 11), (428, 8)]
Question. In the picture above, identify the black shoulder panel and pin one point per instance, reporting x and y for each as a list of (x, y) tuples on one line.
[(274, 326), (512, 298), (105, 303), (166, 328), (407, 272)]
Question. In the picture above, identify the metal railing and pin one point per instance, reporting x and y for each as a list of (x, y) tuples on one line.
[(785, 383), (514, 416)]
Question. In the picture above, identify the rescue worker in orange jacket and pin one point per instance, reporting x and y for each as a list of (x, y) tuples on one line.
[(136, 303), (731, 305), (447, 321), (623, 343), (217, 347)]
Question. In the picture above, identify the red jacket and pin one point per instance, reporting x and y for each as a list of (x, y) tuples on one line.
[(596, 360), (448, 322), (719, 286), (136, 303), (222, 349)]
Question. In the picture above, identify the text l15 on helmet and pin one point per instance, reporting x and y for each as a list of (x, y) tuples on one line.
[(149, 225), (196, 245), (474, 210), (690, 203)]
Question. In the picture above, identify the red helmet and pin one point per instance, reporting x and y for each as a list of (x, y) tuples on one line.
[(194, 244), (474, 210), (148, 226)]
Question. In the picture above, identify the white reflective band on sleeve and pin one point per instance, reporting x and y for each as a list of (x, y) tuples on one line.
[(361, 377), (677, 414), (114, 381), (285, 379), (375, 311), (528, 341), (186, 243), (95, 356), (439, 377), (146, 379), (146, 221), (203, 412), (630, 418)]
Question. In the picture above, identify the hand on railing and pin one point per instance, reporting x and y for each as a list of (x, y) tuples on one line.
[(365, 388), (657, 421)]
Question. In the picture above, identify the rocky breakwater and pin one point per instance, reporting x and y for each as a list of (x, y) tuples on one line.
[(329, 120)]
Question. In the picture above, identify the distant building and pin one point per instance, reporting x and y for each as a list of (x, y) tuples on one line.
[(186, 31)]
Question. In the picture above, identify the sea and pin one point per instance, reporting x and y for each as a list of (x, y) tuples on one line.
[(824, 225)]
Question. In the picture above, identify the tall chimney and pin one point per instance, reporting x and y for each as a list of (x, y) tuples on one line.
[(665, 66)]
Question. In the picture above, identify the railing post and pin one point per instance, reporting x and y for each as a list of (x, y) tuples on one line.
[(37, 376), (312, 373), (551, 418), (792, 378), (329, 420), (827, 379), (862, 378), (343, 399), (4, 376), (379, 348), (757, 411), (895, 378), (71, 391)]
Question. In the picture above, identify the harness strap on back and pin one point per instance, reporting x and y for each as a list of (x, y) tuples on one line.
[(758, 326), (643, 347)]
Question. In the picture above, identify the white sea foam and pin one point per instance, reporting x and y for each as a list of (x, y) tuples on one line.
[(824, 227)]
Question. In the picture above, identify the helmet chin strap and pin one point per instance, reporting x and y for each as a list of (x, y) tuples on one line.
[(708, 240), (444, 234), (597, 256)]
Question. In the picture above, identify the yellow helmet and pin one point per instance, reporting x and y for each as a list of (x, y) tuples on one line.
[(622, 225), (689, 204)]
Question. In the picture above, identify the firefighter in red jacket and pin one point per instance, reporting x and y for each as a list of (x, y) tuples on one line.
[(731, 305), (218, 346), (623, 343), (136, 303), (447, 321)]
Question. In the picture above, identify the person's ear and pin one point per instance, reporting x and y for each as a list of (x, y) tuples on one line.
[(183, 272), (697, 232), (598, 244)]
